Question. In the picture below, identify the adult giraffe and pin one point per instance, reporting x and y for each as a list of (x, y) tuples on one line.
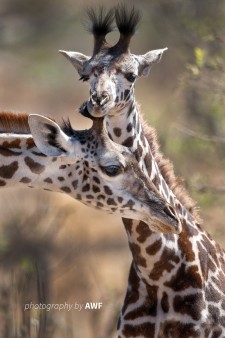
[(36, 152), (176, 286)]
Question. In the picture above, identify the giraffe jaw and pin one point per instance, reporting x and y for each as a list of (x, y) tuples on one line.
[(166, 220), (99, 110), (109, 109)]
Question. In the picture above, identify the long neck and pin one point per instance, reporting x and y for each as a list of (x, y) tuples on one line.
[(127, 129), (148, 247), (22, 164)]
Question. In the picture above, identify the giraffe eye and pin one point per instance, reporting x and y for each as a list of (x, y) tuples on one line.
[(111, 170), (131, 77)]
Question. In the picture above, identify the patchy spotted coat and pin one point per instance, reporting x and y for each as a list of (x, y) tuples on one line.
[(86, 165), (176, 286)]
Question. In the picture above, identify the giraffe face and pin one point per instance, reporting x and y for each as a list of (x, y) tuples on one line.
[(111, 82), (103, 174), (111, 77)]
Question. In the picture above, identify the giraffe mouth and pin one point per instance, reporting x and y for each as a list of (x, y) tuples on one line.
[(165, 221), (164, 227), (99, 109)]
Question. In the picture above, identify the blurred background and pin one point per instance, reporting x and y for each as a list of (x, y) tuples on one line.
[(52, 248)]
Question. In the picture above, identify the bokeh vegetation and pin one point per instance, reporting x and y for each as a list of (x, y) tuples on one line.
[(52, 249)]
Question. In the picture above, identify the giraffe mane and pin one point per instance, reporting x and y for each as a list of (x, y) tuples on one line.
[(167, 171), (14, 123), (17, 123)]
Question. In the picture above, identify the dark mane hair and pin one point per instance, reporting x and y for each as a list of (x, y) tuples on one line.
[(67, 127), (167, 171), (127, 20), (100, 21)]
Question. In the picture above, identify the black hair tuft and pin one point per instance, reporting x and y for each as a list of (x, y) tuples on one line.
[(101, 21), (127, 20), (67, 127)]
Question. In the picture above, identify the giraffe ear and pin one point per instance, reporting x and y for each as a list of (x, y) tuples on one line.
[(147, 60), (77, 59), (48, 136)]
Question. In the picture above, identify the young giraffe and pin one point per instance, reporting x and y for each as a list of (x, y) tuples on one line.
[(176, 286), (35, 151)]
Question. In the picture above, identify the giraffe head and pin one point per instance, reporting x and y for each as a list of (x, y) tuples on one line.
[(110, 178), (112, 70)]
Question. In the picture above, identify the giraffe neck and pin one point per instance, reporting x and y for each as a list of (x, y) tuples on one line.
[(149, 248), (170, 275), (22, 164), (127, 129)]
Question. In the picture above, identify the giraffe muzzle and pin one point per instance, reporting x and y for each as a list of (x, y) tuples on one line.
[(99, 100)]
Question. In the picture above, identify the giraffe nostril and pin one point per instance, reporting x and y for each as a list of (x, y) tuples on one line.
[(101, 99)]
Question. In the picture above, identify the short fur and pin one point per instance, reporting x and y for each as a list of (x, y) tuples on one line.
[(18, 124)]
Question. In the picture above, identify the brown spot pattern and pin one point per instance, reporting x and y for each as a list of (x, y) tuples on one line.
[(186, 246), (128, 142), (185, 278), (148, 308), (66, 189), (107, 190), (48, 180), (172, 328), (166, 262), (75, 184), (128, 225), (165, 303), (25, 180), (30, 143), (8, 152), (154, 248), (117, 132), (191, 305), (148, 162), (7, 171), (34, 167), (11, 144), (86, 187), (138, 258), (143, 231), (145, 330)]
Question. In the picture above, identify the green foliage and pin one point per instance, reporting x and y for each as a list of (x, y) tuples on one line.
[(26, 264), (199, 57)]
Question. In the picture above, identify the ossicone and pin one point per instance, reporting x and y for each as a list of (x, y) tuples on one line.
[(101, 23), (127, 21)]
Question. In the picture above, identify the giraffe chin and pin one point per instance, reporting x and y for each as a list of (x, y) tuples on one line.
[(97, 110)]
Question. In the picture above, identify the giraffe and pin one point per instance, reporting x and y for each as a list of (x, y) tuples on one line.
[(36, 152), (176, 284)]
